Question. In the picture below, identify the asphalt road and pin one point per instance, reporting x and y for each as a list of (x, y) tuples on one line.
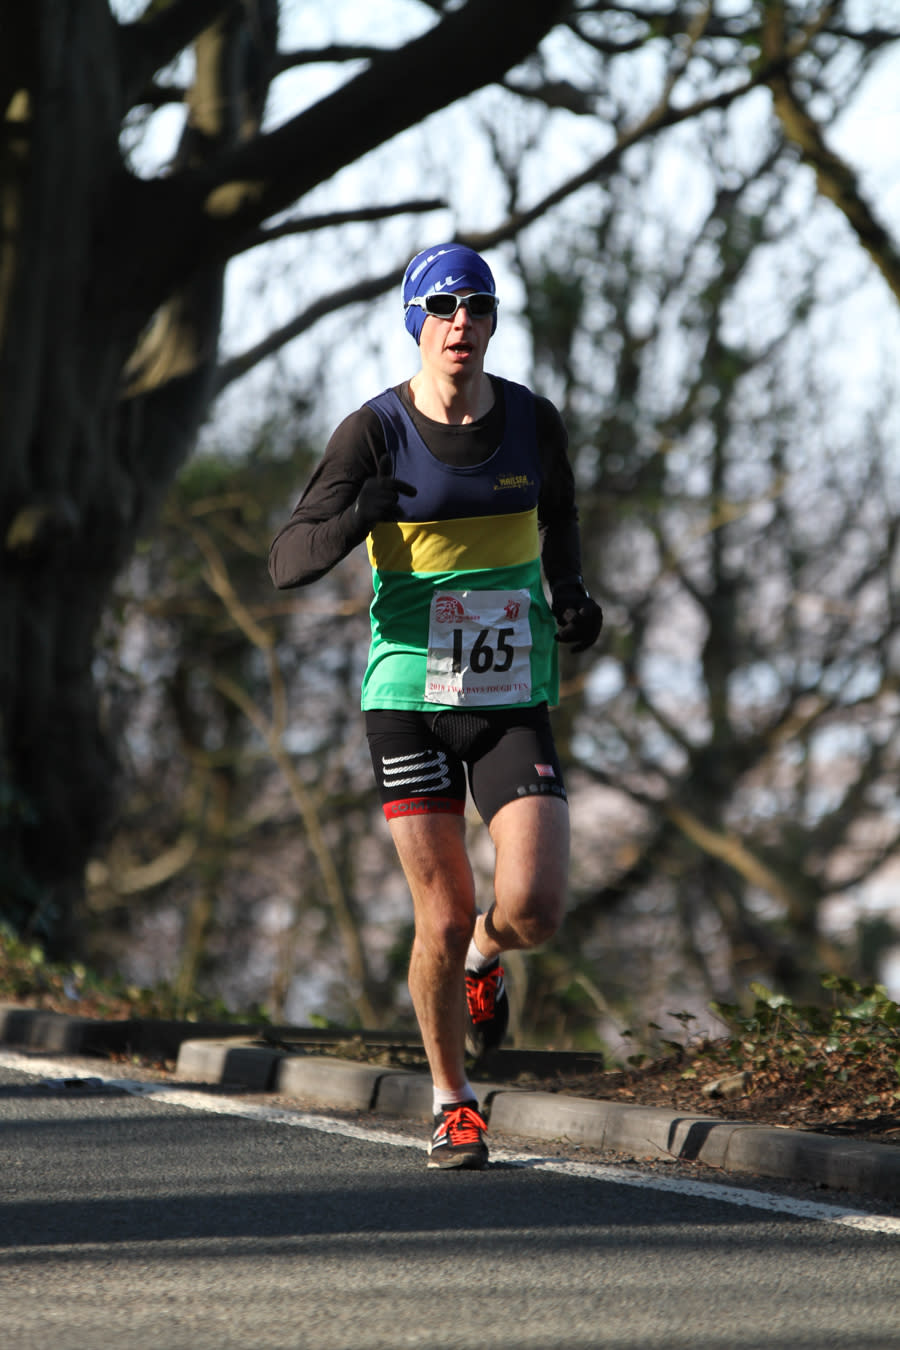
[(131, 1222)]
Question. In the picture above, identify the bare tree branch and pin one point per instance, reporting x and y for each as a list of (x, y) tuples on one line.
[(482, 240), (556, 94), (231, 370), (731, 850), (334, 54), (209, 212), (837, 181), (157, 38), (328, 221), (835, 178)]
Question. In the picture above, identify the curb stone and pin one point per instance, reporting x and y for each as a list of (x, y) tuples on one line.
[(731, 1146), (206, 1053), (41, 1029), (641, 1131)]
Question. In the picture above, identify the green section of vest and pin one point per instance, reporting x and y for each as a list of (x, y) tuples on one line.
[(395, 676)]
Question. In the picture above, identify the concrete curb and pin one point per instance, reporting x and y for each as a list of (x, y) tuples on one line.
[(640, 1131), (41, 1029), (205, 1055), (730, 1146)]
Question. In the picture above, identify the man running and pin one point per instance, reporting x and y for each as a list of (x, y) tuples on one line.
[(460, 485)]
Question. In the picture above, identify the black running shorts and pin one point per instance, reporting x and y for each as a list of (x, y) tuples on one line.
[(422, 759)]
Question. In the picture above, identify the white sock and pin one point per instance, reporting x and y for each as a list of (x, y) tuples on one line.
[(451, 1096), (475, 960)]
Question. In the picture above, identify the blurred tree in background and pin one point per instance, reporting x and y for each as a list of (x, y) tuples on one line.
[(236, 715), (743, 537)]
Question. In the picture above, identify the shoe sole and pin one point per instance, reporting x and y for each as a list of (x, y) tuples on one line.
[(474, 1049), (476, 1045), (470, 1162)]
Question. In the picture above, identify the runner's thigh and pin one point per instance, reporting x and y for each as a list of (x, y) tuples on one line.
[(520, 762), (415, 772)]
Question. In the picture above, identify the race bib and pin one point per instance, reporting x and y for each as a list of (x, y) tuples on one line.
[(479, 648)]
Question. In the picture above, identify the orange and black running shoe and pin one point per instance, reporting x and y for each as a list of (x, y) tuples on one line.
[(487, 1008), (458, 1138)]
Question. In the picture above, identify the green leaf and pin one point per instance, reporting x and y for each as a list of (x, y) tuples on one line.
[(868, 1008), (766, 996), (841, 984)]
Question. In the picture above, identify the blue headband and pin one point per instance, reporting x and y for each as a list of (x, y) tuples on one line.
[(446, 267)]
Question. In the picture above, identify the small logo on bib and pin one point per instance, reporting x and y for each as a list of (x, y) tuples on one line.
[(447, 609)]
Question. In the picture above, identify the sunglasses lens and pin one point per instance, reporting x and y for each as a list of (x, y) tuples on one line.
[(481, 304), (441, 306)]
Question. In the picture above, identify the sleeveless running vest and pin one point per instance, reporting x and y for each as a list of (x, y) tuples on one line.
[(459, 617)]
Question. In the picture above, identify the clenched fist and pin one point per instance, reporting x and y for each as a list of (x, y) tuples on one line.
[(379, 496), (579, 617)]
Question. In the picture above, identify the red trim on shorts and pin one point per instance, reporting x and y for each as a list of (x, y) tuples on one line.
[(423, 806)]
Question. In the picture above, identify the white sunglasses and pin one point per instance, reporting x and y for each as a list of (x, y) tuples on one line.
[(444, 304)]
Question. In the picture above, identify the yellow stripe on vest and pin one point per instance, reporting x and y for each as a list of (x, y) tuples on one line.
[(466, 545)]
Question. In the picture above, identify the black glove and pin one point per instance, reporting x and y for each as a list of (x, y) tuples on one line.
[(579, 617), (378, 496)]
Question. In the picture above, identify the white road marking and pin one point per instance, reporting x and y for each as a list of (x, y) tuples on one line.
[(190, 1099)]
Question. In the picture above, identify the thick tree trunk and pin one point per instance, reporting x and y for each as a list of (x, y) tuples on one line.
[(58, 384), (90, 442)]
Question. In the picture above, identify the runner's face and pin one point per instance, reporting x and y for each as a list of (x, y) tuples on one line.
[(456, 346)]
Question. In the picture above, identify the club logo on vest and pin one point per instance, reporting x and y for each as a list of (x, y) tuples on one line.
[(506, 482)]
